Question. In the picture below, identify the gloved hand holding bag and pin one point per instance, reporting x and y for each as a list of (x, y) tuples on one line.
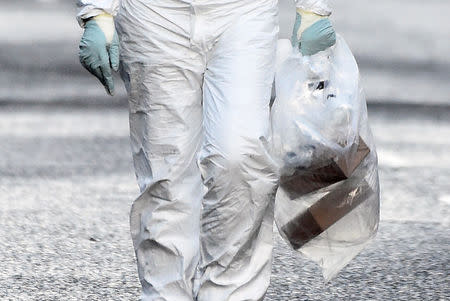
[(327, 205)]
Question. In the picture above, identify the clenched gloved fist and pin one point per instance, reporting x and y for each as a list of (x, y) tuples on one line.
[(312, 33), (99, 49)]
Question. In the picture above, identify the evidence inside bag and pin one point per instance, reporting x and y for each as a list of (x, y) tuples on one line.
[(327, 205)]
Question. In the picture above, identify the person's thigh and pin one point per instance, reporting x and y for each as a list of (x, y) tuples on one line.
[(163, 79), (237, 216)]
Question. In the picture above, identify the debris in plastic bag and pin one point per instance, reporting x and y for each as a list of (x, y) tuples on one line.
[(327, 205), (306, 180), (325, 212)]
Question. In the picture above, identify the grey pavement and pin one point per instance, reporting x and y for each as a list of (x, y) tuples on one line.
[(67, 184)]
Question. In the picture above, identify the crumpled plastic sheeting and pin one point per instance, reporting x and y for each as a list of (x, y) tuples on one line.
[(327, 206)]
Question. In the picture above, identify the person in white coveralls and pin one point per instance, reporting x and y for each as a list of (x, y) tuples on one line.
[(199, 75)]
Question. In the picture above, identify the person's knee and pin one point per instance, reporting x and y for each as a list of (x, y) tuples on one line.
[(243, 159)]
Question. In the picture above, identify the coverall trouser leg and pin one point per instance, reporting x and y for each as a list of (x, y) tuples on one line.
[(199, 84)]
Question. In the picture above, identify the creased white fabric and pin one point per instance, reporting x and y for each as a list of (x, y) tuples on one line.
[(320, 7), (199, 76), (91, 8)]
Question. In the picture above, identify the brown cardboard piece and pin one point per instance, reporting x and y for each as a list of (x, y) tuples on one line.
[(325, 212), (304, 181)]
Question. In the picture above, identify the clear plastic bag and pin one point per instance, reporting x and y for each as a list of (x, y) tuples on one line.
[(327, 205)]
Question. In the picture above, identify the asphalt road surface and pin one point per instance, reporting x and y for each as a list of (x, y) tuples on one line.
[(67, 183)]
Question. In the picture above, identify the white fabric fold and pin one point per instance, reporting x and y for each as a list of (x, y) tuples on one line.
[(320, 7), (92, 8)]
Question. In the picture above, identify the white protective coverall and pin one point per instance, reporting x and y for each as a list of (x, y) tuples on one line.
[(199, 75)]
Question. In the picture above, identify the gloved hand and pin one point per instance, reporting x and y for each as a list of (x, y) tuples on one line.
[(312, 32), (99, 49)]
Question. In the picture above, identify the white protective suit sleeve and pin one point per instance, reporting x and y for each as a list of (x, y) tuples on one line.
[(92, 8), (319, 7)]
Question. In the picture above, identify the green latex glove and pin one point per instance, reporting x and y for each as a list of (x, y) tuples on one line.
[(312, 33), (99, 49)]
